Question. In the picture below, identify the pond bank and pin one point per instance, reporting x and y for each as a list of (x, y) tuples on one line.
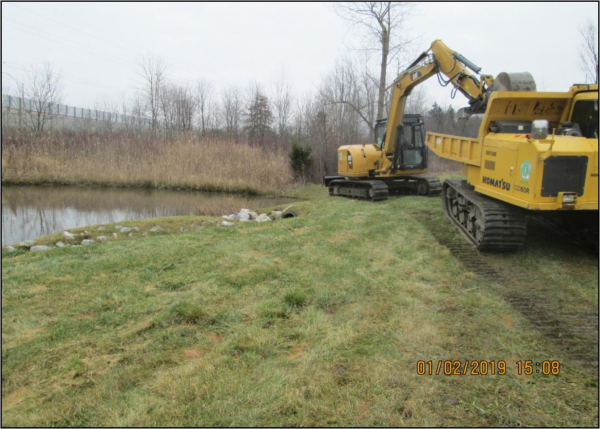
[(47, 183), (31, 212)]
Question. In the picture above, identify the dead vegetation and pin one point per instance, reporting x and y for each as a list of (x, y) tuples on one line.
[(137, 161)]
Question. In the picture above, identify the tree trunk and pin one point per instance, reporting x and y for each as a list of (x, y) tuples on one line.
[(385, 49)]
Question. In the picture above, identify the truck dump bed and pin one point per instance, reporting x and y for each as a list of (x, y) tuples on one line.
[(460, 149)]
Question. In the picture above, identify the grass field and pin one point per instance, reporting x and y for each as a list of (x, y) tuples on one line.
[(318, 320)]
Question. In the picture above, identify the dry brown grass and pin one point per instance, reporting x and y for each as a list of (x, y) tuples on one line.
[(125, 160)]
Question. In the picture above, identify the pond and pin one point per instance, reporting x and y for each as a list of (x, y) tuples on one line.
[(29, 212)]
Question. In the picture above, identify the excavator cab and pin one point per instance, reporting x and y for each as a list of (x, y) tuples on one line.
[(410, 152)]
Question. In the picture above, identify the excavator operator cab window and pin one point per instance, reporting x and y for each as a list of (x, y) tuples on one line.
[(411, 145), (585, 114), (380, 129)]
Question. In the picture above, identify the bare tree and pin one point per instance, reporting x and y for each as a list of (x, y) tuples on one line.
[(417, 102), (232, 109), (282, 103), (133, 111), (166, 103), (588, 54), (384, 24), (345, 86), (206, 104), (185, 107), (153, 70), (44, 88)]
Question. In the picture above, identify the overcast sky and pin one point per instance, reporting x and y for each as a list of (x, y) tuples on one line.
[(96, 45)]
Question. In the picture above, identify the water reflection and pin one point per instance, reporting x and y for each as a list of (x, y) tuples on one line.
[(30, 212)]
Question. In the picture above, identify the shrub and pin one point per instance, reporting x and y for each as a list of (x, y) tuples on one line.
[(300, 160)]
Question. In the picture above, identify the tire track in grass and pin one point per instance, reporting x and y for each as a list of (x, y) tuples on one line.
[(574, 333)]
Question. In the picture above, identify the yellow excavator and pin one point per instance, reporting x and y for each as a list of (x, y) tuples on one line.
[(397, 160), (514, 168)]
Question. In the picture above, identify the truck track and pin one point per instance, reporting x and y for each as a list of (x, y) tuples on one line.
[(574, 334)]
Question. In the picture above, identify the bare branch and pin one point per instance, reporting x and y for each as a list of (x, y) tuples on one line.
[(588, 54)]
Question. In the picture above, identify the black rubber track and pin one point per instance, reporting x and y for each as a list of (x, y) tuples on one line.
[(370, 190), (505, 226), (379, 190)]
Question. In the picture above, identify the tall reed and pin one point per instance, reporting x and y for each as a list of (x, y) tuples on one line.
[(138, 161)]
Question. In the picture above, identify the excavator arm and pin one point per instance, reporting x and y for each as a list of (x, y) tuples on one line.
[(441, 61)]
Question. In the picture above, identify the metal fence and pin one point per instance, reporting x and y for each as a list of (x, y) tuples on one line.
[(18, 103)]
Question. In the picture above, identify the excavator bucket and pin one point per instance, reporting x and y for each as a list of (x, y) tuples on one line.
[(514, 82)]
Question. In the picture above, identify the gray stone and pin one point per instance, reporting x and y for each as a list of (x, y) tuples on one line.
[(253, 215), (135, 228), (27, 243), (156, 229), (243, 216), (263, 218), (68, 235), (131, 234), (60, 244), (118, 227), (39, 248), (87, 243), (182, 229), (125, 230), (102, 238), (276, 214), (225, 223), (101, 228), (115, 235), (9, 249), (231, 217), (144, 234)]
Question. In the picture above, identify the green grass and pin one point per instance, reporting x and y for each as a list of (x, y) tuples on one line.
[(318, 320)]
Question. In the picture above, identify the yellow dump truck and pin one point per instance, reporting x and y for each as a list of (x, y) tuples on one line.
[(536, 154)]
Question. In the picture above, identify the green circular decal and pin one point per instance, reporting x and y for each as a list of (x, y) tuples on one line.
[(525, 170)]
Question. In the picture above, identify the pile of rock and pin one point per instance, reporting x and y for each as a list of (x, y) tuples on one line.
[(246, 215)]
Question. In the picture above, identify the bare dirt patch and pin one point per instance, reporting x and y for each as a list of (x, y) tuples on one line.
[(38, 289), (214, 338), (189, 354), (263, 255), (297, 352), (15, 398), (85, 316)]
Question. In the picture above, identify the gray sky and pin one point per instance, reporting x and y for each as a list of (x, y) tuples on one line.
[(96, 45)]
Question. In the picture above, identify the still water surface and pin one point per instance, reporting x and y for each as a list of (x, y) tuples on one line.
[(31, 212)]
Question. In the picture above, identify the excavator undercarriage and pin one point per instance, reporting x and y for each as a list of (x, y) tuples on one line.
[(486, 223), (379, 190)]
